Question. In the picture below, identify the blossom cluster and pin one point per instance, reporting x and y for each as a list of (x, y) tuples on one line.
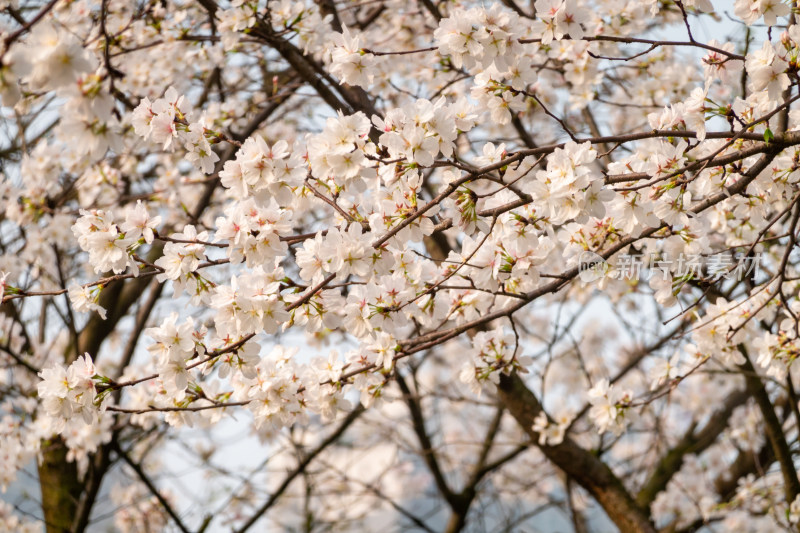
[(68, 392), (168, 120), (232, 187)]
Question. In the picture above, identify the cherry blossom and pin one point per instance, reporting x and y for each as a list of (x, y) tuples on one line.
[(332, 254)]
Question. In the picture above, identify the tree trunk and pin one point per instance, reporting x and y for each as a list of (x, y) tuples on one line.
[(61, 488)]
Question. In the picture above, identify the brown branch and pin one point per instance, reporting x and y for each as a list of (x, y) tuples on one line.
[(691, 443), (13, 36), (580, 464), (98, 467), (301, 467), (431, 8), (772, 427), (631, 40), (458, 516), (151, 487), (427, 451)]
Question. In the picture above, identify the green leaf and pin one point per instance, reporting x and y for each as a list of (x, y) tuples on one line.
[(768, 136)]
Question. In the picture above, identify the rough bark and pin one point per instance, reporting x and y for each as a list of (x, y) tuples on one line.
[(61, 488)]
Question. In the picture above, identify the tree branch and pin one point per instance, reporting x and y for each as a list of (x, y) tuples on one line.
[(333, 437), (581, 465)]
